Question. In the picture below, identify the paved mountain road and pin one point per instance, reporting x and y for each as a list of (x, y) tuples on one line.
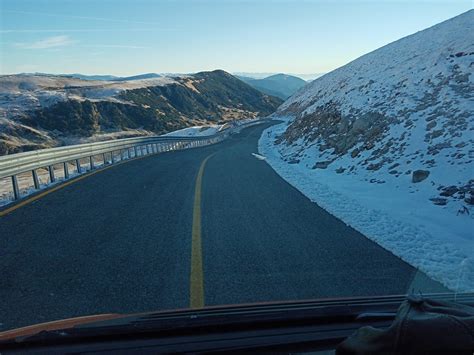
[(170, 231)]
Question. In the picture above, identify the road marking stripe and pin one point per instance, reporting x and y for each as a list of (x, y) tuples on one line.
[(197, 279), (64, 184)]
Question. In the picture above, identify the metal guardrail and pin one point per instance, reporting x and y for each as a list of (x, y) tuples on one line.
[(118, 150)]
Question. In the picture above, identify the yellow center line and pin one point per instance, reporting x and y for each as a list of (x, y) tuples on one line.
[(64, 184), (197, 279)]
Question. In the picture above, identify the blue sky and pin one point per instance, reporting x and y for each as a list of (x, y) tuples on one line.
[(125, 37)]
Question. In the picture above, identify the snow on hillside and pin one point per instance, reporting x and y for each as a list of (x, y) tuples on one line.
[(386, 143), (208, 130), (20, 93), (196, 131)]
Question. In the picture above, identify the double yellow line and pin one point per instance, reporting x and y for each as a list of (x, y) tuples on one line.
[(197, 278)]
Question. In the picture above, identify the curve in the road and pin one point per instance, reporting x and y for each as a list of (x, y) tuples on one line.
[(126, 240)]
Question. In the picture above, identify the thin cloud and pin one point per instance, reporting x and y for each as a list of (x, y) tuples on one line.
[(103, 19), (115, 46), (49, 42), (85, 30)]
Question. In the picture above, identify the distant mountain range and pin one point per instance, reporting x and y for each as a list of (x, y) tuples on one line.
[(111, 77), (306, 77), (39, 111), (279, 85)]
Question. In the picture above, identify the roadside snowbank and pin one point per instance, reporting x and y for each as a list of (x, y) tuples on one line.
[(431, 238), (195, 131), (208, 130)]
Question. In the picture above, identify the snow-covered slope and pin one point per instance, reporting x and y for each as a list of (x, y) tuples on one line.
[(21, 93), (386, 143)]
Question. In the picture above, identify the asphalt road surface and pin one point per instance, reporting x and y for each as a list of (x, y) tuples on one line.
[(205, 226)]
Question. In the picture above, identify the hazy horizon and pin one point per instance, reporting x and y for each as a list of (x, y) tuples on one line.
[(125, 38), (255, 75)]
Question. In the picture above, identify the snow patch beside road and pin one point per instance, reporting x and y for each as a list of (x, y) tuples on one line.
[(195, 131), (432, 239), (258, 156)]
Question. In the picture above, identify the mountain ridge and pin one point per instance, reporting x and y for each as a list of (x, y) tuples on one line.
[(280, 85), (39, 111)]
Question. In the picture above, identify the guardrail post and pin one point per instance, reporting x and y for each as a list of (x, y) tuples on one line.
[(78, 166), (16, 190), (147, 147), (112, 159), (51, 173), (66, 170), (52, 178), (91, 162), (122, 154), (36, 182)]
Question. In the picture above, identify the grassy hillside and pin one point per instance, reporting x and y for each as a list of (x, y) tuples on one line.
[(206, 97)]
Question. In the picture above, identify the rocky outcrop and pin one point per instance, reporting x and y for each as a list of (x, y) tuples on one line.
[(419, 175)]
